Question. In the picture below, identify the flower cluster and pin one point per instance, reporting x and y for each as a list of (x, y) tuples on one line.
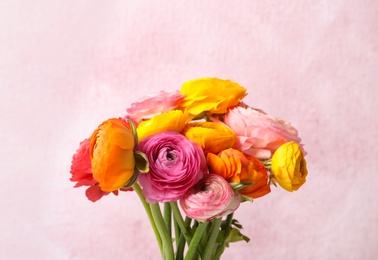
[(201, 147)]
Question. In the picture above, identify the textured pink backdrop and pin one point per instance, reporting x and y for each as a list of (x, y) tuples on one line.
[(65, 66)]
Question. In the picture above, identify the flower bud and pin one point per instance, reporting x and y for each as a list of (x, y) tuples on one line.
[(289, 166)]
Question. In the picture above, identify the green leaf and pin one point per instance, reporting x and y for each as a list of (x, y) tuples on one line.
[(235, 236), (141, 162)]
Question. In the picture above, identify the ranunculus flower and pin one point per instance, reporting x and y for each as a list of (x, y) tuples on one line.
[(150, 106), (259, 134), (212, 137), (81, 170), (289, 166), (211, 94), (212, 197), (174, 120), (176, 164), (112, 154), (237, 167)]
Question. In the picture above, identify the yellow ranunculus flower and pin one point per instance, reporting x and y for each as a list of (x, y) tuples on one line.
[(174, 120), (212, 137), (211, 94), (289, 166)]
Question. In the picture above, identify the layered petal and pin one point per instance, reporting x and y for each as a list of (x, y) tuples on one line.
[(176, 164), (112, 154), (211, 94), (174, 120), (289, 166), (81, 170), (212, 137), (237, 167), (153, 105), (259, 134), (212, 197)]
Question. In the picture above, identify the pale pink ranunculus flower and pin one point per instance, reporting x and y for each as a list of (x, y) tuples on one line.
[(212, 197), (259, 134), (149, 106), (176, 164)]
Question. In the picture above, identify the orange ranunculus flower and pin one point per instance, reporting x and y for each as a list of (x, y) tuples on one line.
[(174, 120), (289, 166), (211, 94), (212, 137), (237, 167), (112, 154)]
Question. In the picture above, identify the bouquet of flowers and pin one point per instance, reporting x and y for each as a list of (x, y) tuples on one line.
[(192, 156)]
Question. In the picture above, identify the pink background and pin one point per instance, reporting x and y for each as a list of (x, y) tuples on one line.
[(65, 66)]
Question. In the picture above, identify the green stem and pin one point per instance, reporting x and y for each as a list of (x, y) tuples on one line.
[(214, 231), (163, 231), (180, 240), (180, 222), (227, 229), (180, 248), (146, 206), (168, 217), (192, 251), (228, 223), (177, 235)]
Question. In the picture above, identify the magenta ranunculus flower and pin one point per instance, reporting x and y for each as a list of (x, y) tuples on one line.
[(176, 164), (259, 134), (152, 105), (212, 197)]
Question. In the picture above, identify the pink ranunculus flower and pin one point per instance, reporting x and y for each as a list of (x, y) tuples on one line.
[(149, 106), (212, 197), (259, 134), (176, 164), (81, 170)]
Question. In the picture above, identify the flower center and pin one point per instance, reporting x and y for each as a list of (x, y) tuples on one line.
[(170, 156)]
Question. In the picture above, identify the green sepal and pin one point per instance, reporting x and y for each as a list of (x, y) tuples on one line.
[(141, 162), (133, 131), (272, 180), (267, 164), (132, 180), (237, 186), (246, 198)]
